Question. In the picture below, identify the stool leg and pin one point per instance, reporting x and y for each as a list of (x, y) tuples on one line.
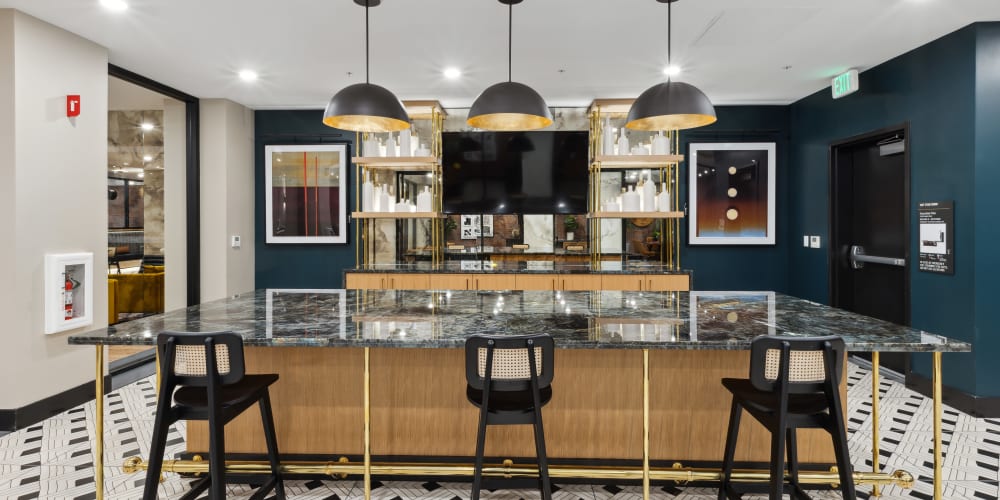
[(156, 451), (216, 459), (778, 460), (843, 459), (793, 461), (735, 413), (543, 461), (272, 444), (477, 478)]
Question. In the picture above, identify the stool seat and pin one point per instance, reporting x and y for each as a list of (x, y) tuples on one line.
[(509, 402), (233, 398), (767, 403)]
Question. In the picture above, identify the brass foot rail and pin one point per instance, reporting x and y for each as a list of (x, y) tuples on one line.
[(677, 472)]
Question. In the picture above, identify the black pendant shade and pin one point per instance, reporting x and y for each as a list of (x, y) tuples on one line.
[(509, 106), (366, 107), (671, 106)]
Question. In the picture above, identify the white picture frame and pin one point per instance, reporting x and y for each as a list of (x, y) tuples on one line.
[(305, 193), (726, 204)]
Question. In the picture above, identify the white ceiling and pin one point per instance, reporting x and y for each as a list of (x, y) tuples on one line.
[(571, 51)]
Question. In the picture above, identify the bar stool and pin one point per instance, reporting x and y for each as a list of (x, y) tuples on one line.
[(510, 380), (794, 383), (218, 395)]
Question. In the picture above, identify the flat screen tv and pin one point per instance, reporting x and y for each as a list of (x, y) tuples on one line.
[(515, 172)]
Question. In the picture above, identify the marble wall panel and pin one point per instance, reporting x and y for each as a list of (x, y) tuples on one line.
[(538, 233)]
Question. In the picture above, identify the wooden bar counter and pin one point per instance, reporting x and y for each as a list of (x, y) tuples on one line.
[(317, 340)]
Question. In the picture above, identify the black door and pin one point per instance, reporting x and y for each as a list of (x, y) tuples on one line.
[(870, 207)]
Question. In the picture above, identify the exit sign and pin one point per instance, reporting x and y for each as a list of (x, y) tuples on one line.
[(844, 84)]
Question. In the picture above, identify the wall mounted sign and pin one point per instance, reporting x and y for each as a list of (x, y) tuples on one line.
[(937, 236), (731, 192), (844, 84), (306, 193), (72, 105)]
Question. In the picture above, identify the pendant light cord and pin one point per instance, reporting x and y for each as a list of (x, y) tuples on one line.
[(670, 34), (510, 39), (366, 43)]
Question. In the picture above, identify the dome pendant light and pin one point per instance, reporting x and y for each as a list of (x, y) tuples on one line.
[(366, 107), (509, 105), (670, 105)]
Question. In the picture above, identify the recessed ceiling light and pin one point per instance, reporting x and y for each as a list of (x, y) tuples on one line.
[(672, 70), (147, 158), (452, 73), (248, 75), (115, 5), (147, 126)]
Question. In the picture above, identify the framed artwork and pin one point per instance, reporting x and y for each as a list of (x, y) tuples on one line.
[(731, 190), (488, 226), (306, 193), (470, 228)]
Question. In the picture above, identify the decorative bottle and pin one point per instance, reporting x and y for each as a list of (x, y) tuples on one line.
[(424, 200), (390, 145), (622, 142), (404, 143), (387, 198), (367, 194), (648, 196), (661, 145), (663, 199), (609, 138), (630, 200)]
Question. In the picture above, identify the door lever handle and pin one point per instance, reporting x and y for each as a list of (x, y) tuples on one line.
[(858, 259)]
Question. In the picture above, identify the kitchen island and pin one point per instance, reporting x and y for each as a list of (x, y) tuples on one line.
[(381, 373)]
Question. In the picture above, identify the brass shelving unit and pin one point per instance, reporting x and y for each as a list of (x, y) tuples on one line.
[(666, 166), (371, 167)]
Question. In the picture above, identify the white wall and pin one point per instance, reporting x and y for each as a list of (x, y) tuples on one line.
[(227, 184), (175, 203), (54, 197)]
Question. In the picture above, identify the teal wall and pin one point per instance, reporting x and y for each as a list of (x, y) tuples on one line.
[(297, 266), (933, 89), (763, 267)]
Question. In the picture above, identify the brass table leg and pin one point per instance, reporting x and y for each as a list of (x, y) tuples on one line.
[(368, 424), (645, 424), (937, 425), (875, 437), (99, 424)]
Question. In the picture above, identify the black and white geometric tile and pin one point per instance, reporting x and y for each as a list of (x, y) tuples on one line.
[(54, 459)]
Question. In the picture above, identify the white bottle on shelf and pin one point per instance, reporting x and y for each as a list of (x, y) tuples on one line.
[(609, 138), (630, 200), (390, 146), (424, 200), (663, 200), (661, 145), (367, 196), (387, 198), (414, 142), (648, 196), (622, 142), (404, 143), (376, 205)]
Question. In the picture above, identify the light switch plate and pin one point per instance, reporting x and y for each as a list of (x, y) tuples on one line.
[(814, 242), (805, 241), (236, 242)]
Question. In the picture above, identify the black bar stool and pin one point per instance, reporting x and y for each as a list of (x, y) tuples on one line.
[(208, 372), (794, 383), (510, 380)]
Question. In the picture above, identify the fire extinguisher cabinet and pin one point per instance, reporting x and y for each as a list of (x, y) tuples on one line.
[(69, 297)]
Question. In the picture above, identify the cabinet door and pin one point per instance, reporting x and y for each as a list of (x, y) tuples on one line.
[(668, 283), (580, 282), (450, 282), (625, 282), (407, 281), (495, 282), (536, 281), (365, 281)]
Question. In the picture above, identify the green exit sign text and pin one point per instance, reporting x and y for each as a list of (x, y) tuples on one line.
[(843, 84)]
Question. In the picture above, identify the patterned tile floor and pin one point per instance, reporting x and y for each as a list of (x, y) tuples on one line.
[(54, 459)]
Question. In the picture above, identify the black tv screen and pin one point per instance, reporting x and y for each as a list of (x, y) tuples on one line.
[(515, 172)]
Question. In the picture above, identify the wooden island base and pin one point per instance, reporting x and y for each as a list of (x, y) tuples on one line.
[(418, 407)]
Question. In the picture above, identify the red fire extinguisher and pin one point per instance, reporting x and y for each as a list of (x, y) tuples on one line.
[(68, 298)]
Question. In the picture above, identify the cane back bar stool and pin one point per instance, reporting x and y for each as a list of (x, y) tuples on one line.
[(510, 380), (794, 383), (203, 373)]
